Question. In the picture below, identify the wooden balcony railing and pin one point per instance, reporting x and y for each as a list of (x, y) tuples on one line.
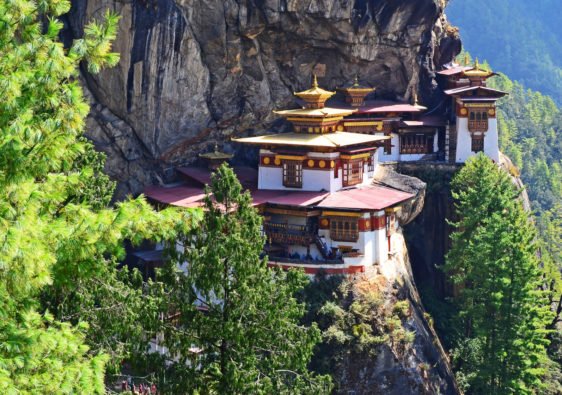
[(283, 233), (477, 126)]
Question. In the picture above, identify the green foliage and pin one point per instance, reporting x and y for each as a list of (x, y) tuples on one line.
[(59, 240), (523, 38), (493, 262), (242, 316), (356, 319), (529, 124)]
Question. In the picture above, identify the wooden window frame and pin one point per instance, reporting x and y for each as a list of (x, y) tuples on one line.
[(416, 143), (353, 172), (371, 163), (292, 173), (477, 143), (344, 229), (478, 120)]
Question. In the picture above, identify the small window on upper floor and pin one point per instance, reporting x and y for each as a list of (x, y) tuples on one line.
[(478, 121), (352, 172), (292, 173)]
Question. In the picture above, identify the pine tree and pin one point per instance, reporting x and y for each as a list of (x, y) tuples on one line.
[(237, 328), (55, 232), (494, 263)]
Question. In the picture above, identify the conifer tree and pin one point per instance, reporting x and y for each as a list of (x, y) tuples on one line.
[(55, 231), (237, 326), (494, 263)]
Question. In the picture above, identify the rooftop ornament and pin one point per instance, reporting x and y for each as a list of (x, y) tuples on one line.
[(315, 97), (355, 93), (417, 104), (478, 72), (216, 158)]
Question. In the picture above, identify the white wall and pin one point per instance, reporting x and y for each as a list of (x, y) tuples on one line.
[(395, 150), (313, 179), (464, 141)]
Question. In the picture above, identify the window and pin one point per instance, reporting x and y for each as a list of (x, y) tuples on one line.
[(478, 121), (344, 229), (352, 172), (371, 163), (477, 143), (292, 173), (412, 143)]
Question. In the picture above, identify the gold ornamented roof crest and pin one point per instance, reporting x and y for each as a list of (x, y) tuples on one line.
[(216, 155), (477, 71), (315, 97), (355, 93)]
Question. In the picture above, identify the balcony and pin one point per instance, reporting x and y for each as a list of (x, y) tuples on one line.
[(478, 125), (289, 234)]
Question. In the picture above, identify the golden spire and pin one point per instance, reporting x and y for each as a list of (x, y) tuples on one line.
[(314, 81), (477, 71), (466, 59), (315, 97), (415, 98), (355, 93)]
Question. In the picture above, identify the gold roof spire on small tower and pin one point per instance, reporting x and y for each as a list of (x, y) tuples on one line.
[(477, 71), (416, 103), (315, 97), (355, 93), (466, 59)]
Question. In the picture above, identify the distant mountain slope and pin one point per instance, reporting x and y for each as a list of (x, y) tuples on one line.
[(524, 38)]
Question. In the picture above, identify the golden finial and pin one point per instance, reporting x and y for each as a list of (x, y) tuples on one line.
[(216, 148), (314, 81), (356, 81), (415, 99), (466, 59), (477, 65)]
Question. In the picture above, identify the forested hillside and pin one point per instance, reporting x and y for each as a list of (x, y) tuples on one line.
[(522, 38), (530, 124)]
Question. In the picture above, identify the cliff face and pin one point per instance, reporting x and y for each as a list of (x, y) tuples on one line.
[(193, 72)]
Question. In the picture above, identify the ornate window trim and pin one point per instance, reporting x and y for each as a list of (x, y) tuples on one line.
[(416, 143), (344, 229), (352, 172), (477, 142), (292, 173), (478, 120)]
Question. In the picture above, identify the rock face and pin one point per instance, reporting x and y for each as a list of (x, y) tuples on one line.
[(193, 72)]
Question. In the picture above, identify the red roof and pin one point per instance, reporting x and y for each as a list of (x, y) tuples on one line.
[(465, 89), (290, 198), (361, 198), (428, 121), (181, 196), (378, 106), (388, 107), (247, 176), (365, 198), (455, 70)]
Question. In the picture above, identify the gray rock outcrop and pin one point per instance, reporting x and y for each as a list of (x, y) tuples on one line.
[(193, 72)]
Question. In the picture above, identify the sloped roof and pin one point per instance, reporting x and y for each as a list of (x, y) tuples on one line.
[(315, 112), (372, 197), (327, 140), (465, 89), (455, 70)]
